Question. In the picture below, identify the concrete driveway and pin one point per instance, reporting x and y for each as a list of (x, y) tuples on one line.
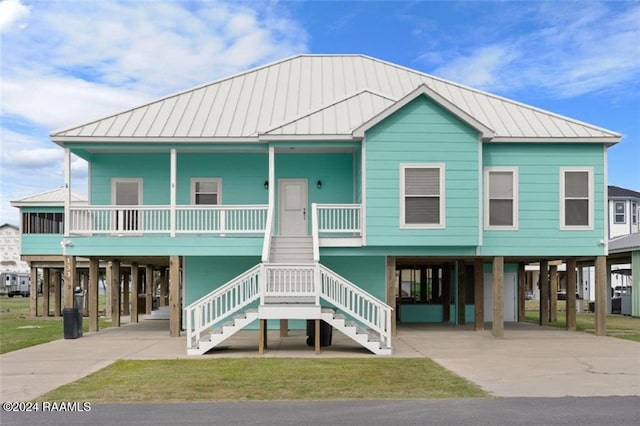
[(528, 361)]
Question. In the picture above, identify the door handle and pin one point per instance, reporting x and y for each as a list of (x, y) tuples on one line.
[(304, 213)]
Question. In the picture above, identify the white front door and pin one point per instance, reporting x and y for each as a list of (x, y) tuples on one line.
[(127, 192), (509, 298), (292, 207)]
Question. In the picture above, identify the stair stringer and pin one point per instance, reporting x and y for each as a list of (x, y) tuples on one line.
[(214, 336), (368, 339)]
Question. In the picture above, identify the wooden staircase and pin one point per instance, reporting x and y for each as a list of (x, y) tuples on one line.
[(291, 250), (289, 286)]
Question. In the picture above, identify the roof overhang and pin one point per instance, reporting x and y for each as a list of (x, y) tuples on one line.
[(608, 141), (423, 90)]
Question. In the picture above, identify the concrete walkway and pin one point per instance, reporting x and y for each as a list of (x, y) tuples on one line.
[(528, 361)]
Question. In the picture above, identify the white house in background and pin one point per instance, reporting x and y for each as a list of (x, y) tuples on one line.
[(624, 220), (10, 251), (12, 269), (624, 209)]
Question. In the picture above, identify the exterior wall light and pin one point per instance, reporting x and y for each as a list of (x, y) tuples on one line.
[(319, 184), (266, 184)]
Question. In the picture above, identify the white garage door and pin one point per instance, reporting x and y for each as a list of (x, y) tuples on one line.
[(510, 297)]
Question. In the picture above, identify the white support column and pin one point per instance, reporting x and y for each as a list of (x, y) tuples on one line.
[(272, 175), (67, 187), (173, 191), (363, 191)]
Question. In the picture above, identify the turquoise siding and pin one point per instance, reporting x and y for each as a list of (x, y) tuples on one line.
[(358, 175), (42, 209), (368, 272), (539, 200), (41, 244), (335, 171), (433, 313), (422, 132), (243, 176), (203, 274), (163, 245), (153, 169)]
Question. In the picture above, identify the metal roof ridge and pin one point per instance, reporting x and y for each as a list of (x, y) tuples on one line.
[(327, 106)]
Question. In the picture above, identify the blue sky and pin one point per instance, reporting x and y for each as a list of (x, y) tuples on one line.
[(65, 62)]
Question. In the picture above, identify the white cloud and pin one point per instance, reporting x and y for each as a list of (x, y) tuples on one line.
[(73, 61), (481, 68), (573, 51), (11, 12)]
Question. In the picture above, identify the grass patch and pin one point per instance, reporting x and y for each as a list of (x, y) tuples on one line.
[(266, 379), (18, 330), (620, 326)]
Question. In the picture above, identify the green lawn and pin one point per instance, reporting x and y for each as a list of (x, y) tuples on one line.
[(266, 379), (18, 330), (620, 326)]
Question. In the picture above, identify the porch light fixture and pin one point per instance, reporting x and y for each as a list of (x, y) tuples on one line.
[(319, 184), (266, 184)]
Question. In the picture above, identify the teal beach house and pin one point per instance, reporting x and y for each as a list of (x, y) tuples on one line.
[(335, 188)]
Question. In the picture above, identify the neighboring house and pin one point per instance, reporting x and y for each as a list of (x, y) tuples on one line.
[(12, 269), (624, 208), (336, 187)]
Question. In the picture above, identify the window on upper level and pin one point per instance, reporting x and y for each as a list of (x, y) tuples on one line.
[(501, 198), (619, 213), (576, 198), (422, 201), (42, 223), (634, 213), (207, 191)]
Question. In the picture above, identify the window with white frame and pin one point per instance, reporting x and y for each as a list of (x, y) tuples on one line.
[(576, 198), (501, 198), (206, 191), (619, 213), (634, 213), (422, 196)]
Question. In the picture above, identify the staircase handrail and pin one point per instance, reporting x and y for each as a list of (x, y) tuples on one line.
[(377, 316), (202, 314)]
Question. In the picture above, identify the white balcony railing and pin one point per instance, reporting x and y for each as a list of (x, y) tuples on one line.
[(339, 219), (136, 220)]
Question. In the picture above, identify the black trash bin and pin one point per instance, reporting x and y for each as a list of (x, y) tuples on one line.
[(326, 333), (70, 323)]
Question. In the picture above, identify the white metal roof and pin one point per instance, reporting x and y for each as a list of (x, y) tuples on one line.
[(630, 242), (54, 197), (319, 95)]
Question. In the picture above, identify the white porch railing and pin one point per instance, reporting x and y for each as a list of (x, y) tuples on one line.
[(205, 312), (339, 219), (289, 282), (356, 302), (221, 219), (144, 219)]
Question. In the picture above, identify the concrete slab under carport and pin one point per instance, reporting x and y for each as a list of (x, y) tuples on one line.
[(529, 361)]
